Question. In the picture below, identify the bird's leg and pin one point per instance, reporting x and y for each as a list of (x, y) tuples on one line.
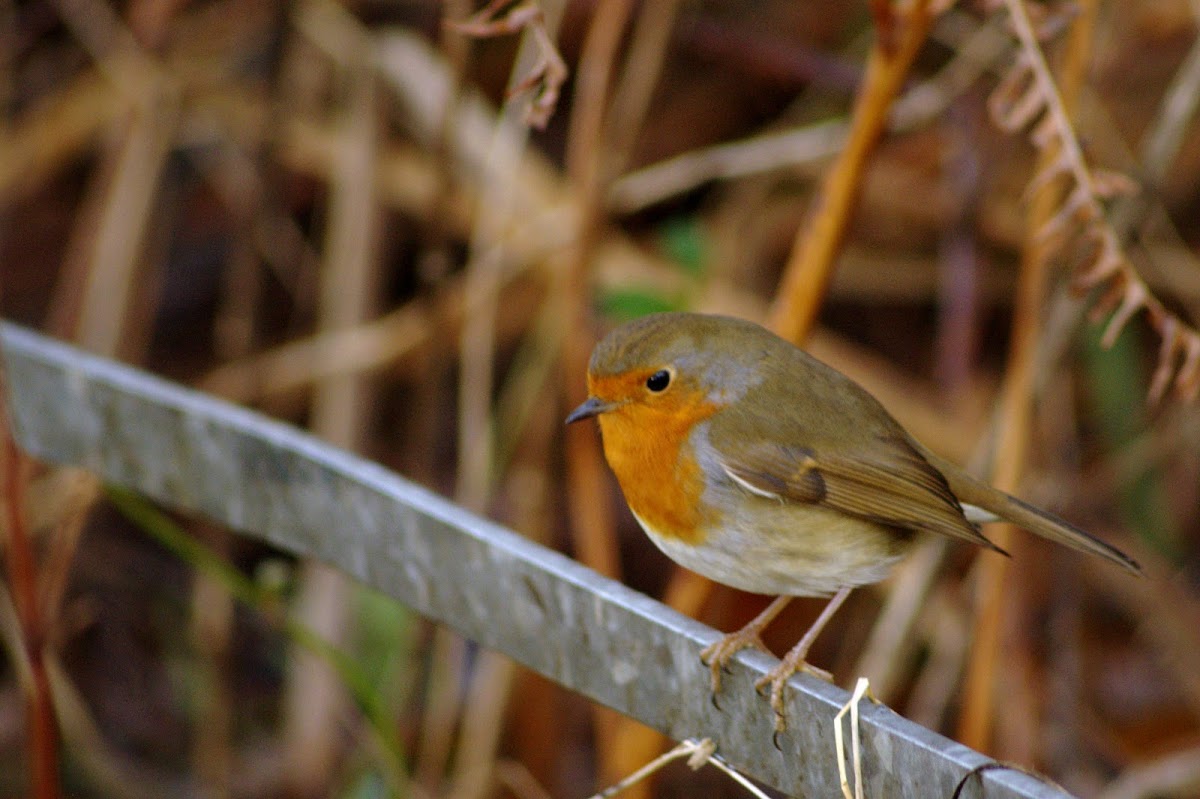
[(715, 656), (794, 660)]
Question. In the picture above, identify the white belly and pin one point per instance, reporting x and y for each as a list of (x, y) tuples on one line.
[(822, 552)]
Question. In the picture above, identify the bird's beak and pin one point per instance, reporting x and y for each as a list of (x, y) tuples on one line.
[(592, 406)]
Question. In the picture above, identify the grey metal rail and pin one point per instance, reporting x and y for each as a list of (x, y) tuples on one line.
[(270, 481)]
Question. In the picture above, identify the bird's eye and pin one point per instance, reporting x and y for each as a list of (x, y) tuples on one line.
[(659, 381)]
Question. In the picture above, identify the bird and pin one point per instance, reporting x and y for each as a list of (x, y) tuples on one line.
[(749, 461)]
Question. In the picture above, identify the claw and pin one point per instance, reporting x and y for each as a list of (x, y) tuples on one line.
[(776, 679), (718, 654), (777, 706), (712, 658)]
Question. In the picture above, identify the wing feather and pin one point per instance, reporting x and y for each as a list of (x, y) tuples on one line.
[(893, 485)]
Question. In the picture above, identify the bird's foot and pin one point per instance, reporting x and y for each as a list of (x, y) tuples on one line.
[(717, 655), (777, 678)]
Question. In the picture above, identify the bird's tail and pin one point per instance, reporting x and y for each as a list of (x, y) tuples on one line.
[(973, 491)]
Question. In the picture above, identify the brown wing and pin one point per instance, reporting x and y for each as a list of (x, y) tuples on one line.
[(892, 485)]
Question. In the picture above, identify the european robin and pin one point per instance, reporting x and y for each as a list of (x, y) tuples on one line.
[(749, 461)]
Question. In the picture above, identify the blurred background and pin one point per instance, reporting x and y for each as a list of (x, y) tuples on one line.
[(340, 214)]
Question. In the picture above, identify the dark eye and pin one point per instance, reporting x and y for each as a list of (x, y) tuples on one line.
[(658, 381)]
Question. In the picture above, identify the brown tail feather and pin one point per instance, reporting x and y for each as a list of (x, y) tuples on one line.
[(975, 492)]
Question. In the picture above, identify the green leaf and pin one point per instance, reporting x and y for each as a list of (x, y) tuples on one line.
[(1117, 388), (683, 241), (626, 304)]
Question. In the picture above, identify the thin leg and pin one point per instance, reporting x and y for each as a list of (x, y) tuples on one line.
[(794, 660), (718, 654)]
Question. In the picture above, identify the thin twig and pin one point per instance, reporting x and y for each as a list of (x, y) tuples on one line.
[(810, 266), (698, 753), (22, 576)]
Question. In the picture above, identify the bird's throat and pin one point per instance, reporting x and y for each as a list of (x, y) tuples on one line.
[(657, 469)]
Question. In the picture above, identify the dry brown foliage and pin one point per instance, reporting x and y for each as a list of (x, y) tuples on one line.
[(403, 226)]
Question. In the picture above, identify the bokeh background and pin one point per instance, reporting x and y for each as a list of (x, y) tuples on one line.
[(335, 213)]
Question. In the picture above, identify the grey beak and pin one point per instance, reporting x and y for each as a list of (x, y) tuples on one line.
[(590, 407)]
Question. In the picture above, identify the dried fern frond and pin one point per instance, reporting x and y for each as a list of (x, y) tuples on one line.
[(1027, 99), (546, 78)]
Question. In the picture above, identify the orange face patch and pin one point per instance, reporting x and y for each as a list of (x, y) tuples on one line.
[(645, 443)]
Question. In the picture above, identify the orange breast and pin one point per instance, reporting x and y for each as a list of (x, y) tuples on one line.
[(656, 467)]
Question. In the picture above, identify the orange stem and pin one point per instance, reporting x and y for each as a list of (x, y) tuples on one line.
[(810, 266), (22, 575)]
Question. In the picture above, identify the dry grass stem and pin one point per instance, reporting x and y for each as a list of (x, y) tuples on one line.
[(946, 628), (975, 726), (893, 642), (211, 632), (1173, 774), (111, 251), (803, 148), (639, 77), (315, 701), (513, 775), (483, 714), (698, 754), (862, 688), (806, 148), (333, 212), (1176, 113)]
